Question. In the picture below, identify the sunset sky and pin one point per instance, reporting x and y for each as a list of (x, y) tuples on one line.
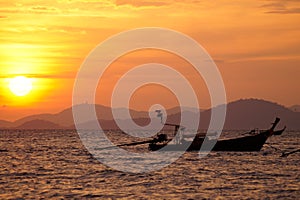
[(255, 44)]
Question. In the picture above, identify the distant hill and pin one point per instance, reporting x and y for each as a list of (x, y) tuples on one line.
[(65, 117), (110, 124), (176, 110), (295, 108), (241, 114), (5, 124), (249, 113), (254, 113), (39, 124)]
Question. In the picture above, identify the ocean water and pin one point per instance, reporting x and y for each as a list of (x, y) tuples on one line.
[(55, 165)]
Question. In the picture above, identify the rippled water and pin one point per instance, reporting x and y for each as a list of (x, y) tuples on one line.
[(54, 164)]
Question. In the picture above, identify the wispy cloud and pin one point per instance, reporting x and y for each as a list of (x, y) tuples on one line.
[(50, 29), (59, 8), (142, 3), (282, 7), (156, 3), (63, 75), (286, 11), (44, 9)]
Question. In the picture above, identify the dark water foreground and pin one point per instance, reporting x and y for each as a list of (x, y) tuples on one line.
[(54, 164)]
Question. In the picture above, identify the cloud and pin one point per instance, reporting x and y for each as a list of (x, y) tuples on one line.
[(142, 3), (50, 29), (286, 11), (60, 8), (44, 9), (63, 75), (282, 7), (31, 9), (155, 3)]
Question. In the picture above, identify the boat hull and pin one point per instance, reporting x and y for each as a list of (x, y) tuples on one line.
[(247, 143), (279, 132)]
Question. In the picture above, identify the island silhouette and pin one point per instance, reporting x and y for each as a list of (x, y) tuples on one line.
[(243, 114)]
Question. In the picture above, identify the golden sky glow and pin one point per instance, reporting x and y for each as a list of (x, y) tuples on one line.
[(255, 44)]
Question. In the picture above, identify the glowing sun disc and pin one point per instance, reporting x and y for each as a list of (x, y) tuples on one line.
[(20, 85)]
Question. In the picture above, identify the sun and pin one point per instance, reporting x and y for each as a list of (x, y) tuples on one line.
[(20, 85)]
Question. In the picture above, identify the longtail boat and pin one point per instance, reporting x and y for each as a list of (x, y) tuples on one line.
[(245, 143)]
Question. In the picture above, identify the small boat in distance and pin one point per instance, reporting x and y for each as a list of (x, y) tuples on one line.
[(246, 143)]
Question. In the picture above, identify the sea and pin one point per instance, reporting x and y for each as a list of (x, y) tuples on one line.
[(54, 164)]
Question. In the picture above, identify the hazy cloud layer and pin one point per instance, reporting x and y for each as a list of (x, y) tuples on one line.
[(64, 75), (282, 6), (142, 3)]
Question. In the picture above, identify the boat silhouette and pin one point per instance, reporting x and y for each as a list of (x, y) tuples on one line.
[(246, 143), (250, 142)]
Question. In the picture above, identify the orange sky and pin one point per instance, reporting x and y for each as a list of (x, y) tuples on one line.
[(255, 44)]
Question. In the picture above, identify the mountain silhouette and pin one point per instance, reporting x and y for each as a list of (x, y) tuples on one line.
[(241, 114), (254, 113), (65, 117), (295, 108), (247, 114), (39, 124), (4, 123)]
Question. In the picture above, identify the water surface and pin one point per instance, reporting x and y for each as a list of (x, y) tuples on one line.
[(54, 164)]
